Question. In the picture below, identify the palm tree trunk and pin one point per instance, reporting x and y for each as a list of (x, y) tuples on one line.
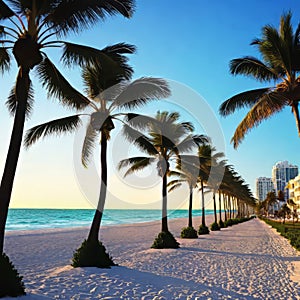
[(225, 206), (203, 203), (215, 207), (220, 207), (95, 227), (191, 208), (229, 206), (295, 110), (164, 219), (22, 88)]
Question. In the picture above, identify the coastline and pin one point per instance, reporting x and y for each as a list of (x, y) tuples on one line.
[(246, 261)]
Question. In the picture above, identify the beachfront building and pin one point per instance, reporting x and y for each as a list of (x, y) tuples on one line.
[(294, 192), (264, 185), (282, 173)]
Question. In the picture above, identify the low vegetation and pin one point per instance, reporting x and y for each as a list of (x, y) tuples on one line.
[(92, 254), (165, 240), (288, 230), (11, 283), (189, 233)]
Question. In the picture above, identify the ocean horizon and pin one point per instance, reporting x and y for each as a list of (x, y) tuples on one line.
[(38, 218)]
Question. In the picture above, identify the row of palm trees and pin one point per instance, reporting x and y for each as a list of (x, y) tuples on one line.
[(32, 26)]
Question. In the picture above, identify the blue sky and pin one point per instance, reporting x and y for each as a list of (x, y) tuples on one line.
[(190, 42)]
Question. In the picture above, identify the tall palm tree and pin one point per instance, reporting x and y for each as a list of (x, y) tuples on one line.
[(108, 94), (29, 27), (204, 153), (280, 52), (188, 169), (165, 140)]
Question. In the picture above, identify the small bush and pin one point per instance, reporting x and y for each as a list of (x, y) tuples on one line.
[(228, 222), (165, 240), (214, 227), (189, 233), (92, 254), (11, 284), (221, 224), (203, 230)]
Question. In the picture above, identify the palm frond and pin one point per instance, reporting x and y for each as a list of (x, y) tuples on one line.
[(139, 140), (5, 11), (245, 99), (59, 126), (88, 145), (4, 60), (135, 163), (103, 70), (275, 51), (139, 122), (268, 105), (141, 91), (174, 186), (76, 15), (12, 102), (251, 66), (190, 142), (59, 87), (41, 7)]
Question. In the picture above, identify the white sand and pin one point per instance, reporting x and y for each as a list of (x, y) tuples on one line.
[(246, 261)]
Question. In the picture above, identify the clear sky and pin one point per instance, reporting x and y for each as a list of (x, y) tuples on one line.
[(190, 42)]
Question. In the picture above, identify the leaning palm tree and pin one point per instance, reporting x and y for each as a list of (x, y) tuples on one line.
[(108, 92), (280, 51), (29, 27), (165, 140), (188, 169)]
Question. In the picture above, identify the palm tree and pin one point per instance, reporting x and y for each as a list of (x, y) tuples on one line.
[(166, 139), (204, 153), (108, 93), (280, 51), (35, 26), (188, 167), (271, 200), (213, 172), (284, 211)]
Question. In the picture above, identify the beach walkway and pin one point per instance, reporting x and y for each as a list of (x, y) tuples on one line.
[(246, 261)]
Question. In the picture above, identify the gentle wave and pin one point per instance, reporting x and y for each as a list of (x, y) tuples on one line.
[(33, 219)]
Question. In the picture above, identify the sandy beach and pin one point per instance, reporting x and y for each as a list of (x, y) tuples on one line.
[(246, 261)]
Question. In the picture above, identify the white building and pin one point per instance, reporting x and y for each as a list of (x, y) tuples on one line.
[(294, 191), (264, 185), (282, 173)]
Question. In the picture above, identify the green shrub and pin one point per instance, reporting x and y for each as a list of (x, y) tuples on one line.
[(92, 254), (203, 230), (11, 284), (221, 224), (165, 240), (189, 233), (229, 222), (214, 227)]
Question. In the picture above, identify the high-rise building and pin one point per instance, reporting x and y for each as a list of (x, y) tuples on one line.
[(282, 172), (264, 185)]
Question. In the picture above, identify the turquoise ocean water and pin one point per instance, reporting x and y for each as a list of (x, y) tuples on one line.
[(32, 219)]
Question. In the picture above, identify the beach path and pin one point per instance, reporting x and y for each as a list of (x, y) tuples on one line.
[(246, 261)]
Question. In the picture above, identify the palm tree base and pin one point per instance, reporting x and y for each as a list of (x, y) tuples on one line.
[(92, 254), (203, 230), (11, 284), (189, 233), (221, 224), (165, 240), (214, 227)]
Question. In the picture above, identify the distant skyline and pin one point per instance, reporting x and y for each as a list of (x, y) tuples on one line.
[(190, 44)]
